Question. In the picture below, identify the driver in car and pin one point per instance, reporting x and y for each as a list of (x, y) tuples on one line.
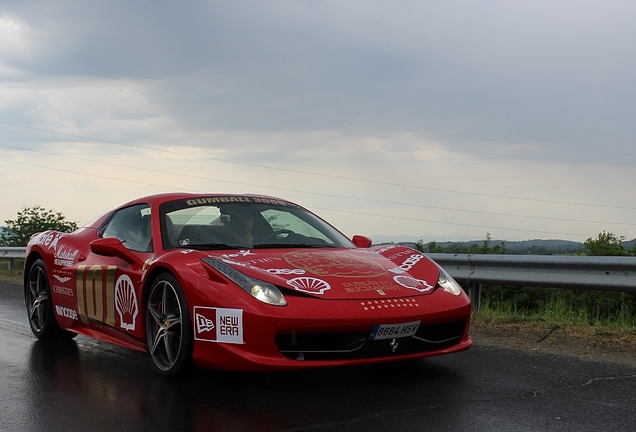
[(239, 224)]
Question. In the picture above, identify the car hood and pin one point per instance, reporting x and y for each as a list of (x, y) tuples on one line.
[(378, 272)]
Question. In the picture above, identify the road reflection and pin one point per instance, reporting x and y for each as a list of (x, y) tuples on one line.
[(82, 387)]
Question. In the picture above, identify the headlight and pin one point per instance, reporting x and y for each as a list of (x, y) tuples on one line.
[(268, 293), (448, 283), (262, 291)]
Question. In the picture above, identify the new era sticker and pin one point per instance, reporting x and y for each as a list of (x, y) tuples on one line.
[(218, 324)]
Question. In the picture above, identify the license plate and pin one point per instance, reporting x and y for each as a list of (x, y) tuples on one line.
[(390, 331)]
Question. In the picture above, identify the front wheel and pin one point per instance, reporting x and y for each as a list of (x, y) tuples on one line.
[(168, 330), (37, 298)]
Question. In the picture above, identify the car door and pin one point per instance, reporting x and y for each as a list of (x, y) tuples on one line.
[(109, 280)]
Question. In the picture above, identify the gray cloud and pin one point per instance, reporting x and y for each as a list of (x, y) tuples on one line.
[(553, 71)]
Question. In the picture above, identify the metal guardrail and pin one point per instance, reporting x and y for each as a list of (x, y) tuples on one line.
[(582, 272), (12, 253), (550, 271)]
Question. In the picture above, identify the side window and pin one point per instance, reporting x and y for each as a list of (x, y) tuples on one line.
[(131, 225)]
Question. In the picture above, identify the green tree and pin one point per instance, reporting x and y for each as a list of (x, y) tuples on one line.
[(430, 247), (433, 247), (606, 244), (496, 249), (31, 220)]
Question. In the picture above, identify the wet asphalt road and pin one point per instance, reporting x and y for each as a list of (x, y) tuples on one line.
[(85, 385)]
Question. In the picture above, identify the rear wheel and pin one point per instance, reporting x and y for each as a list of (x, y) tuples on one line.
[(37, 298), (168, 330)]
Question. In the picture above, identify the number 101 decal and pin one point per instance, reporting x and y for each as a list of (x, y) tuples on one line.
[(99, 297)]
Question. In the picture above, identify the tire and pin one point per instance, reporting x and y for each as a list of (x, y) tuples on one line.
[(39, 305), (169, 337)]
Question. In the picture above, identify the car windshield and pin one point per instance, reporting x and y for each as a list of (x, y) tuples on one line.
[(222, 222)]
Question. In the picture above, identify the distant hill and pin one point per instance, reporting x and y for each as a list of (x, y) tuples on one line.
[(382, 239), (529, 247)]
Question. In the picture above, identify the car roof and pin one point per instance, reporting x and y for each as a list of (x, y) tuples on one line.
[(160, 198)]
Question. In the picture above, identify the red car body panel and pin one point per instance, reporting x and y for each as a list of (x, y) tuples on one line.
[(344, 292)]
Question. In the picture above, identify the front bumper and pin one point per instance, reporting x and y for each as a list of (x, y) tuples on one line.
[(313, 333)]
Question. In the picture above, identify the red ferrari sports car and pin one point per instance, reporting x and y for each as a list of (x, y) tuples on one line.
[(240, 282)]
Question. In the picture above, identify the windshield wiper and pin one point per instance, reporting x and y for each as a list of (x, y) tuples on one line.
[(290, 245), (211, 246)]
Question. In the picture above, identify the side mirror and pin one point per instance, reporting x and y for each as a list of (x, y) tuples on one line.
[(113, 247), (362, 241)]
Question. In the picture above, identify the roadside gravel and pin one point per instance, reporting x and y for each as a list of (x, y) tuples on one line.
[(583, 341)]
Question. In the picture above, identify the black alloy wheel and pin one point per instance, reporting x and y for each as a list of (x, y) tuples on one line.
[(37, 298), (168, 330)]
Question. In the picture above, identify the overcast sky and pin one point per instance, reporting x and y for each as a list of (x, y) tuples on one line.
[(432, 119)]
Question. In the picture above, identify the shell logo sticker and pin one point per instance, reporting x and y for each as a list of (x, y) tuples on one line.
[(412, 283), (126, 302), (309, 285)]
